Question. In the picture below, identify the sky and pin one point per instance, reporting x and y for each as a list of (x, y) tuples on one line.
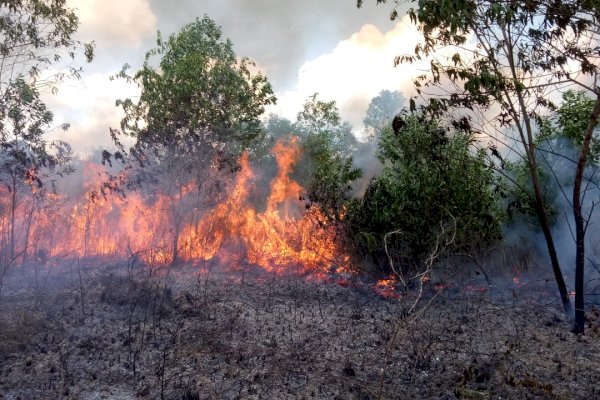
[(326, 46)]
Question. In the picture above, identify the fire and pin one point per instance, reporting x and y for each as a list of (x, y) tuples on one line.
[(281, 236), (387, 287)]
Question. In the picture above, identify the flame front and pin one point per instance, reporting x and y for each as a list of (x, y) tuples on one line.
[(276, 239), (279, 237)]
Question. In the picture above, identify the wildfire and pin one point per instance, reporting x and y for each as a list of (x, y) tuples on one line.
[(387, 287), (283, 236), (280, 237)]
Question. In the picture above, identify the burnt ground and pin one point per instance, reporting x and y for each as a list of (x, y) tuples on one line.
[(139, 334)]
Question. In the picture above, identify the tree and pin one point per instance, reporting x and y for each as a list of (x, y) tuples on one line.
[(275, 127), (430, 180), (25, 153), (199, 109), (509, 58), (382, 109), (325, 169), (571, 123), (557, 142), (35, 36), (200, 96)]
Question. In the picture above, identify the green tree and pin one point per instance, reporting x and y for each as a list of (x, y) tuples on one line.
[(200, 96), (382, 109), (508, 58), (557, 143), (199, 107), (325, 169), (571, 122), (35, 35), (274, 128), (26, 157), (430, 179)]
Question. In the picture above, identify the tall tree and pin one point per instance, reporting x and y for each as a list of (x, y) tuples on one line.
[(325, 169), (504, 61), (25, 153), (200, 96), (198, 110), (35, 35)]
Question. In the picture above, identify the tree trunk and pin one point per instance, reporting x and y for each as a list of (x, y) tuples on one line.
[(579, 326), (13, 217), (176, 244), (27, 237), (542, 217), (543, 220), (530, 150), (560, 280)]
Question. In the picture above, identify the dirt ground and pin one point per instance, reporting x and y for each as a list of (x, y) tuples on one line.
[(134, 333)]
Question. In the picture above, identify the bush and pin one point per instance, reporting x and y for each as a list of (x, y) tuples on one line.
[(430, 179)]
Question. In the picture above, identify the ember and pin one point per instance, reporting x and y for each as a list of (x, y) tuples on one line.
[(387, 288)]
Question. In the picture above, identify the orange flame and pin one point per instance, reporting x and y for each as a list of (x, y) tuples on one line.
[(387, 287), (282, 237)]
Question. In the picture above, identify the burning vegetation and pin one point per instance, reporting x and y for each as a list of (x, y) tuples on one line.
[(225, 247), (284, 236)]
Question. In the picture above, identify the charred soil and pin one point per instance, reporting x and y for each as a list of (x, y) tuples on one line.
[(138, 334)]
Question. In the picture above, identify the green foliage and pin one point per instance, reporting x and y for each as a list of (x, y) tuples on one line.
[(200, 97), (25, 152), (35, 34), (382, 110), (558, 142), (430, 178), (325, 169), (572, 120), (508, 57), (520, 196), (322, 118), (274, 128)]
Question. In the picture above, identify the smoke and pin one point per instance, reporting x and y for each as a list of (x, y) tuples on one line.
[(365, 159), (333, 48), (89, 116), (557, 159), (115, 23), (356, 70), (279, 35)]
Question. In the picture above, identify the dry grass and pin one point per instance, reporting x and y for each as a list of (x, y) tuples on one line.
[(149, 336)]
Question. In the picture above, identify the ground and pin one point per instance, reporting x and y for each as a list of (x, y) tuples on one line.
[(137, 333)]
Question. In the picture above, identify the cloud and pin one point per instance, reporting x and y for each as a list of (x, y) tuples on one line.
[(280, 35), (355, 71), (115, 23), (89, 107)]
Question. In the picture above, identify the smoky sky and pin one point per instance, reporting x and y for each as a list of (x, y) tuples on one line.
[(279, 35)]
